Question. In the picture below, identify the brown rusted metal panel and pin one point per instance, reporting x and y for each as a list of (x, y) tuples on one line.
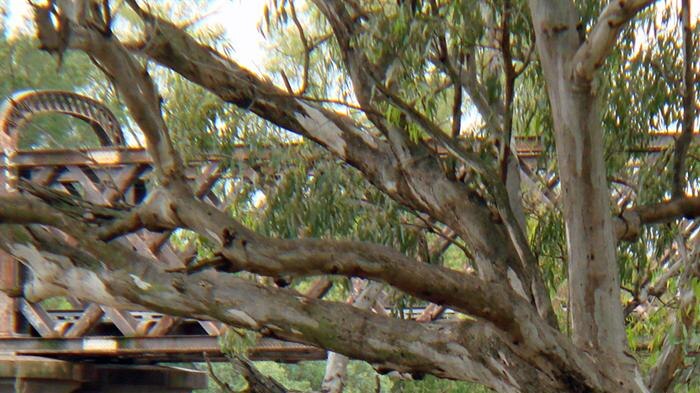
[(430, 313), (91, 157), (102, 157), (120, 181), (319, 288), (144, 327), (9, 275), (169, 348), (212, 328), (8, 315)]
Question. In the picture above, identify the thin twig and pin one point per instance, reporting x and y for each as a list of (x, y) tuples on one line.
[(307, 49), (221, 384), (510, 76)]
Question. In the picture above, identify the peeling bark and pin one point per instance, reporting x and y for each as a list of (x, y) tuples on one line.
[(509, 342), (417, 183), (470, 350)]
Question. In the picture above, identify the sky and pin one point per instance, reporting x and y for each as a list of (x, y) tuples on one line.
[(240, 19)]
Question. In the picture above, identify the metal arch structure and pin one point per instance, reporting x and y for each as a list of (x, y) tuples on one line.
[(21, 106), (18, 109)]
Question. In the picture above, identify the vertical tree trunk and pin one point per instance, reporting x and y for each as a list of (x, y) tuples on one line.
[(337, 364), (596, 311), (594, 294)]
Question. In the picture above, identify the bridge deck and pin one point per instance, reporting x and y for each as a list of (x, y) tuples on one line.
[(171, 349), (189, 341)]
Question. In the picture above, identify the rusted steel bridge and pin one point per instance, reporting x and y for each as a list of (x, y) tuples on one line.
[(85, 346)]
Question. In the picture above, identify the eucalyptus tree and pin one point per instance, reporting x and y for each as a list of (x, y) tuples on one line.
[(571, 267)]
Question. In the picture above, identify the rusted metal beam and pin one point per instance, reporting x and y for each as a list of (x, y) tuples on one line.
[(153, 349), (319, 288), (115, 156), (92, 315), (40, 320), (164, 326), (102, 157), (123, 320)]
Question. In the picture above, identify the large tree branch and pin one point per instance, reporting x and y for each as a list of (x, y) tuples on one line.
[(601, 40), (244, 250), (425, 189), (629, 224), (112, 274)]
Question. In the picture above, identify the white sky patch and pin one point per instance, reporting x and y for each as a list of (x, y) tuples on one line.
[(18, 16), (240, 19), (643, 40)]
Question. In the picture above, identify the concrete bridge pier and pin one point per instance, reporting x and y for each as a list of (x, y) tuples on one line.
[(32, 374)]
